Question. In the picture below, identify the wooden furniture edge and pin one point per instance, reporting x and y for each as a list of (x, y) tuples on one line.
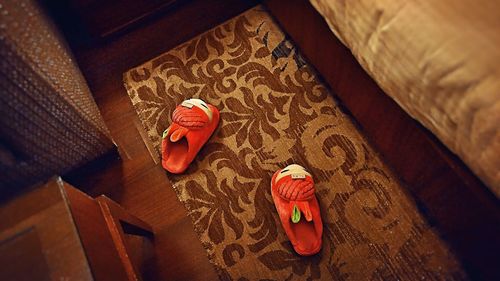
[(115, 215)]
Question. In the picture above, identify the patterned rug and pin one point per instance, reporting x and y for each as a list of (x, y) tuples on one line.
[(275, 111)]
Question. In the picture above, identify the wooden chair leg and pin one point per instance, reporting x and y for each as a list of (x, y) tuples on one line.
[(120, 222), (130, 223)]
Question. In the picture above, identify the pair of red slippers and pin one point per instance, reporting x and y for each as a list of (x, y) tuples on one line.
[(292, 188)]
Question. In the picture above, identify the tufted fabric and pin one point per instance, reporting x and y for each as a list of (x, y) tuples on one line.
[(49, 120)]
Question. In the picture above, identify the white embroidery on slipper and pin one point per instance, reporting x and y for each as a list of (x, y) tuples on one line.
[(296, 171), (200, 104)]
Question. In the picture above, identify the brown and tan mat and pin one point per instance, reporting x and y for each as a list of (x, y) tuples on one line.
[(275, 111)]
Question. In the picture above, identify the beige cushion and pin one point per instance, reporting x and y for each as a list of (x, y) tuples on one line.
[(440, 61)]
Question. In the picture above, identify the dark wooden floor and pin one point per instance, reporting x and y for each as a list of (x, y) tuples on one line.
[(136, 181)]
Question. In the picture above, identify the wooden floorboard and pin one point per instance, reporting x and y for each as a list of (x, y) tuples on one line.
[(134, 179)]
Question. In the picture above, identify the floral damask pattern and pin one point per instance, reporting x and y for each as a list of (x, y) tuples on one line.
[(275, 111)]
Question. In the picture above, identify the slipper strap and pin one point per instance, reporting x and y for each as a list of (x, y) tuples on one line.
[(295, 190)]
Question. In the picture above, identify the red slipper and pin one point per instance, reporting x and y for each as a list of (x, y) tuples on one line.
[(292, 189), (193, 122)]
